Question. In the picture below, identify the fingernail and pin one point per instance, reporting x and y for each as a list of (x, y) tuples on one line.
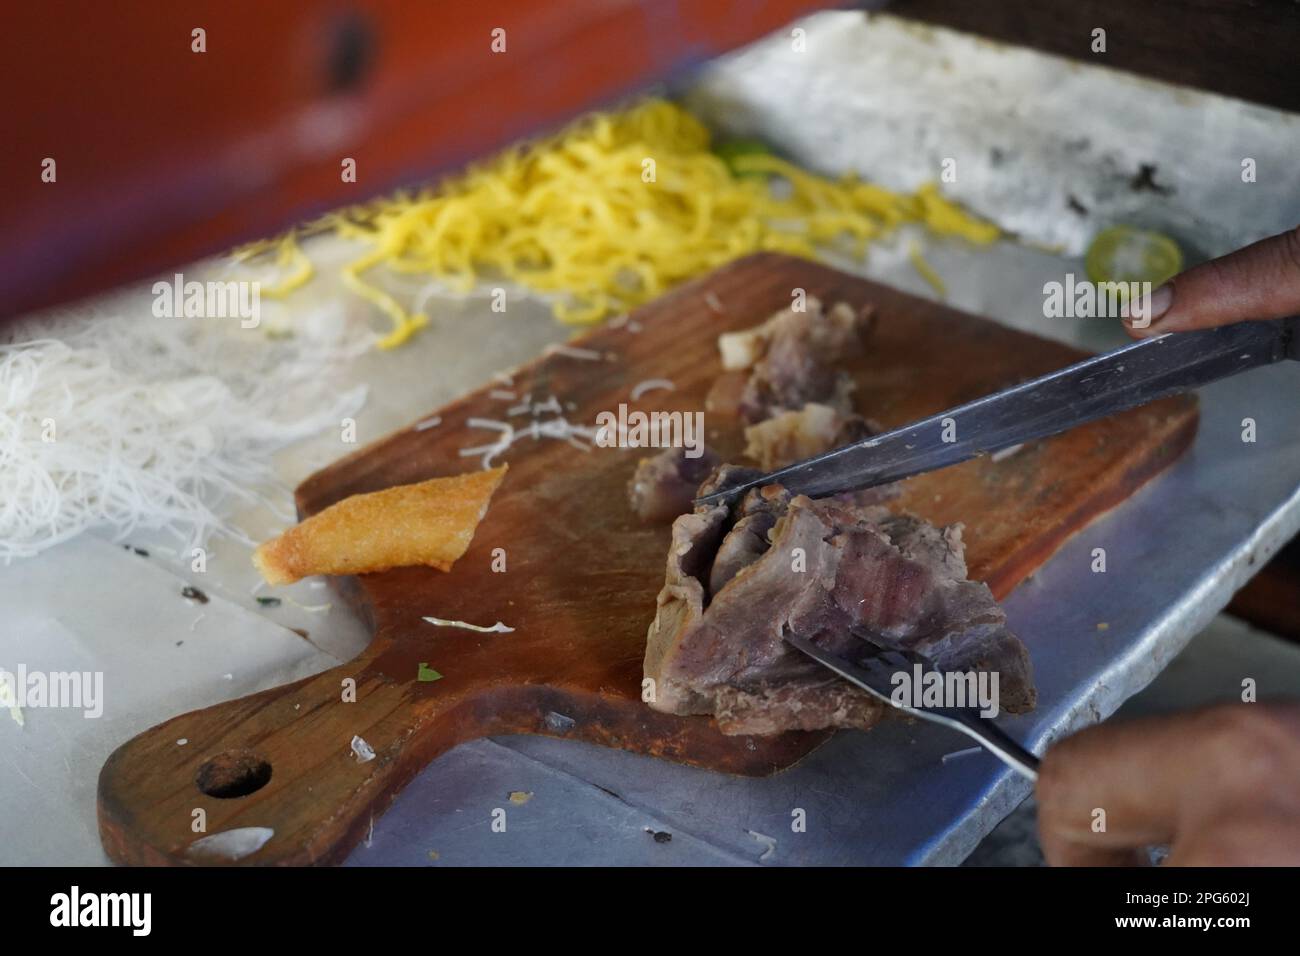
[(1149, 309)]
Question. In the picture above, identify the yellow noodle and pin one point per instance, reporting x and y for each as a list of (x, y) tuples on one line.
[(577, 216), (926, 271)]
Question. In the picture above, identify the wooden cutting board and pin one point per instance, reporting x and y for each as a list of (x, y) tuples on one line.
[(581, 573)]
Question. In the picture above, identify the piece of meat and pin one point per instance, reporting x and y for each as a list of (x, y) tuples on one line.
[(791, 358), (814, 429), (796, 435), (747, 541), (727, 476), (724, 395), (828, 336), (822, 568), (788, 378), (663, 485)]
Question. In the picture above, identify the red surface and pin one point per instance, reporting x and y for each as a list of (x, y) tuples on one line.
[(165, 155)]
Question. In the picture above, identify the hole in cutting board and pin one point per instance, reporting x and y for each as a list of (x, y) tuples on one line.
[(235, 773)]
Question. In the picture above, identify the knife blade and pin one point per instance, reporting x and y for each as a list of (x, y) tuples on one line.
[(1103, 385)]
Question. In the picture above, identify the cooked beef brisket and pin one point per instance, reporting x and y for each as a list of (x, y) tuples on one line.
[(798, 406), (738, 575), (663, 485), (792, 356), (793, 436)]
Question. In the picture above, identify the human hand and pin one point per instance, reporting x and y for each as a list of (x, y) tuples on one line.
[(1220, 786), (1261, 281)]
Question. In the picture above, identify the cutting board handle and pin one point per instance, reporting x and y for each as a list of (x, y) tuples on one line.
[(281, 765), (283, 761)]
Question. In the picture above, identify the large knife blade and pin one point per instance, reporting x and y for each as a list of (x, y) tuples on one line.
[(1094, 388)]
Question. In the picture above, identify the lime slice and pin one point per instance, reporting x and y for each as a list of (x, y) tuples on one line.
[(1125, 254), (732, 149)]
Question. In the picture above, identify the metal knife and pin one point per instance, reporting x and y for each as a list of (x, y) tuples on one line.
[(1094, 388)]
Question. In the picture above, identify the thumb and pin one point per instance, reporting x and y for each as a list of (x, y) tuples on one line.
[(1261, 281)]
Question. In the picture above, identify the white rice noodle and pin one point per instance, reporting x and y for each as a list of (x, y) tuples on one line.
[(650, 385), (570, 351), (126, 422), (559, 428), (497, 628)]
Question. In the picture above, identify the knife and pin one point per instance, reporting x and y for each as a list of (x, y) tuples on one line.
[(1094, 388)]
